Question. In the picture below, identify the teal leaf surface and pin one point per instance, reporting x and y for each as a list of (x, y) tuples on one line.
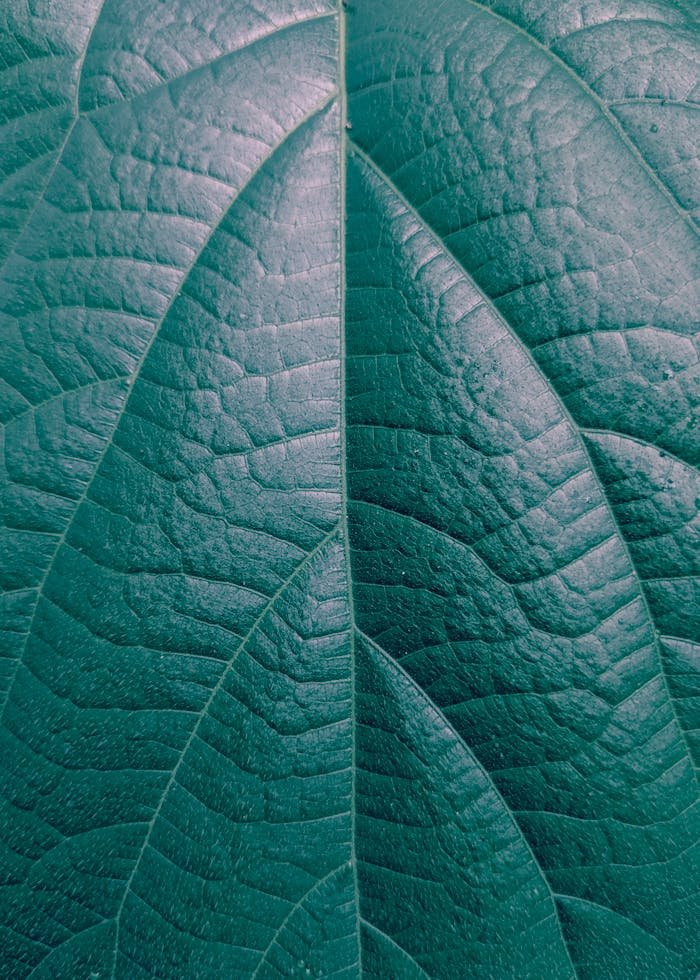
[(349, 621)]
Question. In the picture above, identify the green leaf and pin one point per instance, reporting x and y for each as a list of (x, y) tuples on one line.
[(349, 489)]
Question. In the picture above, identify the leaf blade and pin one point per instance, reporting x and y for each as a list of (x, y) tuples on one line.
[(343, 664)]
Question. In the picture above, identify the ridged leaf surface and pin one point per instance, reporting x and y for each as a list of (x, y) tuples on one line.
[(348, 383)]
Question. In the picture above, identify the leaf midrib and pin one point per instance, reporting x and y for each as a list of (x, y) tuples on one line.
[(342, 421)]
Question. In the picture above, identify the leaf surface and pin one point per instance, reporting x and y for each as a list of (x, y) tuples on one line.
[(349, 623)]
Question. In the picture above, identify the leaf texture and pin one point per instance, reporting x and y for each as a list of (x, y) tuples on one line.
[(349, 623)]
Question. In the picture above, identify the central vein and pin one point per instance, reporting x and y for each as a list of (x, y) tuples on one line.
[(343, 124)]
